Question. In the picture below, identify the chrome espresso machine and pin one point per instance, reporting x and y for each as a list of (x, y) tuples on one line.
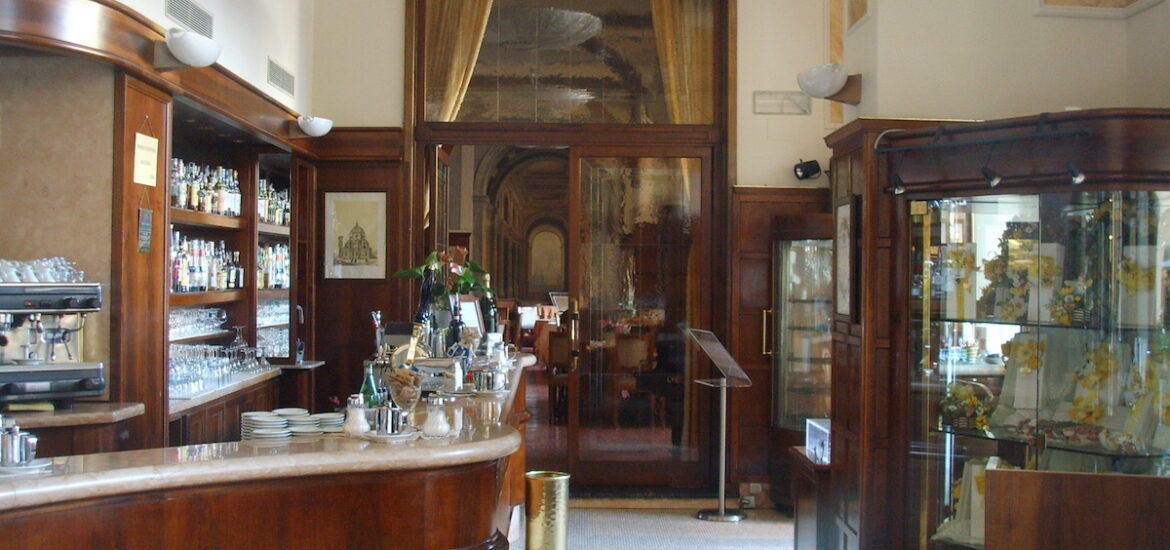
[(40, 342)]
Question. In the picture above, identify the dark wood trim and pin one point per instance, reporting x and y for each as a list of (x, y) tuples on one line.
[(447, 508), (138, 284), (126, 39), (360, 144)]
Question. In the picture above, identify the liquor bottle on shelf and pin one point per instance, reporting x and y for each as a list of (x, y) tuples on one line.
[(262, 201)]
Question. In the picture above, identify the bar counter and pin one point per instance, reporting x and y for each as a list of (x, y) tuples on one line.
[(325, 492)]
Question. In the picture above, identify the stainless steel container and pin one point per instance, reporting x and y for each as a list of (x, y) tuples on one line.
[(546, 496)]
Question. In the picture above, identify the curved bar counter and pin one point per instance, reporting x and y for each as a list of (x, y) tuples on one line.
[(332, 492)]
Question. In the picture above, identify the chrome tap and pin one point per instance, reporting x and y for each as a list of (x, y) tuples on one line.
[(36, 329)]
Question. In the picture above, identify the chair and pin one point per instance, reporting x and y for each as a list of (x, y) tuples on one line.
[(540, 333), (630, 355), (559, 362)]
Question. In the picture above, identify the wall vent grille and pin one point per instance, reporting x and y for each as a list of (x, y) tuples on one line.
[(278, 76), (192, 16)]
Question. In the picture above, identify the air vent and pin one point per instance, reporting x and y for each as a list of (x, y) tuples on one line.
[(190, 15), (281, 78)]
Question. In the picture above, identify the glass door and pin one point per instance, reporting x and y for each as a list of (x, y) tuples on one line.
[(639, 264)]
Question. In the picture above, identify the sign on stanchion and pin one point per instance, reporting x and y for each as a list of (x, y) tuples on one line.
[(733, 377)]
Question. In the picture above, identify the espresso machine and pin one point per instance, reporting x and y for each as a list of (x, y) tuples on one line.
[(41, 326)]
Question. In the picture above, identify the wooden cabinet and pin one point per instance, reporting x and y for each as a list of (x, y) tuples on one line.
[(219, 420), (865, 492), (755, 448), (892, 465), (810, 501)]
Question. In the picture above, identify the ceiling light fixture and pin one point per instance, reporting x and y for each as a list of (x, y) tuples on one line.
[(993, 178), (1075, 174)]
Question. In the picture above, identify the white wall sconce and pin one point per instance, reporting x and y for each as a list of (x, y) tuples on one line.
[(830, 82), (184, 49), (310, 126)]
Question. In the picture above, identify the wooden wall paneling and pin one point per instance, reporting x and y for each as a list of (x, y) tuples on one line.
[(754, 447), (137, 299), (409, 510), (867, 475), (1021, 511), (358, 161)]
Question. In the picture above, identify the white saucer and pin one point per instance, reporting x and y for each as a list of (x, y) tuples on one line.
[(391, 438), (292, 411), (34, 466)]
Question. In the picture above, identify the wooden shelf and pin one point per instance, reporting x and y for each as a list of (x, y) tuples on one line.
[(273, 230), (203, 337), (180, 216), (272, 293), (206, 298)]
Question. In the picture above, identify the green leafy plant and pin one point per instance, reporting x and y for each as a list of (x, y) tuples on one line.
[(455, 274)]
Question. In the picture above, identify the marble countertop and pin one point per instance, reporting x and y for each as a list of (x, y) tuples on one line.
[(83, 413), (237, 383), (79, 477)]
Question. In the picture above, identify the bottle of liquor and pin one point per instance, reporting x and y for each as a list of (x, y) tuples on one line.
[(487, 304), (239, 269), (192, 176), (177, 190), (262, 201), (221, 272)]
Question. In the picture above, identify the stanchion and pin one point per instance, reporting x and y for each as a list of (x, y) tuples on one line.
[(733, 377), (721, 513), (546, 497)]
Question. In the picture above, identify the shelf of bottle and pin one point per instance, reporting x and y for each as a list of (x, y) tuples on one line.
[(181, 216), (202, 337), (206, 298), (272, 293), (1000, 434), (273, 230)]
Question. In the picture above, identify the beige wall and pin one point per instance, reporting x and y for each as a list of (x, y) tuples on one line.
[(359, 61), (777, 39), (56, 146), (250, 32), (1148, 61), (987, 59)]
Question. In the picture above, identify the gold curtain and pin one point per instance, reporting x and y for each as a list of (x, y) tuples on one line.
[(685, 33), (454, 33)]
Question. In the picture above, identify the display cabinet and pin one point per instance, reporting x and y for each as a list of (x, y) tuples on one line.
[(1036, 297), (1038, 341)]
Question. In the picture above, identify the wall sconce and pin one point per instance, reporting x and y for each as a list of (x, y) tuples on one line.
[(830, 82), (807, 169), (183, 49), (310, 126)]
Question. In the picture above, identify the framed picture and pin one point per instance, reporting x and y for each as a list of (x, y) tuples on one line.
[(355, 235), (843, 251), (470, 313)]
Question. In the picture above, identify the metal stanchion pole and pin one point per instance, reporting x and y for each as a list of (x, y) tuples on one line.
[(722, 513)]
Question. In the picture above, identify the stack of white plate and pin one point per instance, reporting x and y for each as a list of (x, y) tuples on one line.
[(262, 425), (330, 422)]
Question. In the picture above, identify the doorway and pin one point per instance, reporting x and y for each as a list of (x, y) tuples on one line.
[(625, 232)]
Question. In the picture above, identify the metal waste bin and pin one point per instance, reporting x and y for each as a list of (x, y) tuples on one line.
[(546, 496)]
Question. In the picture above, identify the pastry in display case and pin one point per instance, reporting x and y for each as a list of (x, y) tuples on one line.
[(1037, 341)]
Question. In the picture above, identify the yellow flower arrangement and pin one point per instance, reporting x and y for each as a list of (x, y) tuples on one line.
[(962, 259), (1086, 410), (1073, 303), (962, 405), (1026, 355), (1135, 278)]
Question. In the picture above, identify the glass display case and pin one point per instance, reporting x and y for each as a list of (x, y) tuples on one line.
[(1037, 340), (802, 357)]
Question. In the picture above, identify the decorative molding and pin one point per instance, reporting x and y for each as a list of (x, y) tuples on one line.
[(1050, 9)]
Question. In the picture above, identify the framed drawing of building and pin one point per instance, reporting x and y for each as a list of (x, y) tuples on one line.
[(355, 235)]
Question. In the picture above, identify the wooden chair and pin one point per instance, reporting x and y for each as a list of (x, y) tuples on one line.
[(559, 361), (630, 355)]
